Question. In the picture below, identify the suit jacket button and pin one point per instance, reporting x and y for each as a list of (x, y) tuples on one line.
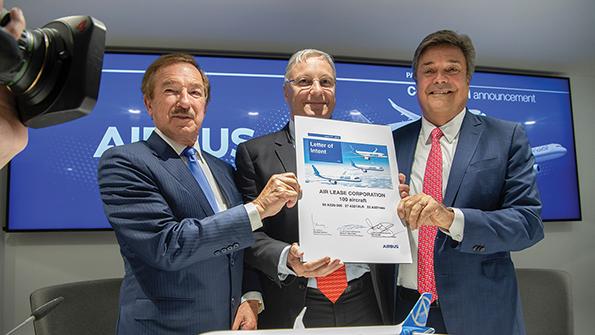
[(217, 252), (236, 245), (301, 286), (230, 248)]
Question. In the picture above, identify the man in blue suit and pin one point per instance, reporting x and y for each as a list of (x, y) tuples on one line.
[(178, 216), (473, 199)]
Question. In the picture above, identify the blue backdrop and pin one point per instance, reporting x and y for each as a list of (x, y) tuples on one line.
[(53, 182)]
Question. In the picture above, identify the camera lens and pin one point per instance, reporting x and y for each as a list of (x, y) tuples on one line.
[(53, 71), (41, 67)]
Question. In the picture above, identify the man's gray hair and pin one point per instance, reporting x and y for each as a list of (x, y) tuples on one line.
[(447, 37), (303, 55)]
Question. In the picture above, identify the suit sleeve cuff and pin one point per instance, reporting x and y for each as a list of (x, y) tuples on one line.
[(458, 226), (253, 215), (282, 269), (254, 295)]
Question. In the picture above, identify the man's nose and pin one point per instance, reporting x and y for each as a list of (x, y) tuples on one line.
[(183, 99), (316, 88), (440, 78)]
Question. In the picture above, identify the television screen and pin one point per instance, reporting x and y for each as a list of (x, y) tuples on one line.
[(53, 185)]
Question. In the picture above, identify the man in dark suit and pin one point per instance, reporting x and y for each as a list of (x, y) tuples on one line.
[(178, 217), (288, 284), (473, 199)]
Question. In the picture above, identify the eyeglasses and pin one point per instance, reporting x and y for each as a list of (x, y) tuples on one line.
[(306, 83)]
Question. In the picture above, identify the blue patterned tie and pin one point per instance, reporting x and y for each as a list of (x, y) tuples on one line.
[(200, 177)]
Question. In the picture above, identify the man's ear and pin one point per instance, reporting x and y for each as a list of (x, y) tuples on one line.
[(286, 89), (148, 105)]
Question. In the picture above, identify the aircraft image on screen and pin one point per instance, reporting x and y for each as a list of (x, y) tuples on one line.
[(544, 153), (367, 155), (366, 168), (334, 179), (412, 117)]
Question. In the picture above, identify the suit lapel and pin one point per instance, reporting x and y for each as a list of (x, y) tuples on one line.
[(405, 143), (469, 136), (285, 150), (176, 167)]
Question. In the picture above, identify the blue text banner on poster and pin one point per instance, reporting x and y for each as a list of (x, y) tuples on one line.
[(324, 151)]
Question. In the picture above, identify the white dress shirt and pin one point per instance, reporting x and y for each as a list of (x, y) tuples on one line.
[(448, 145)]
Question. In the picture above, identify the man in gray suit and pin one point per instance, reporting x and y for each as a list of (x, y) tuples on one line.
[(288, 284), (178, 217)]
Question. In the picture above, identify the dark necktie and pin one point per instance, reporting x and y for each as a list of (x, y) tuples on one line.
[(432, 186), (201, 178)]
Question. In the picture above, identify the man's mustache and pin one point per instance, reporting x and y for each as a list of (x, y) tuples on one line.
[(441, 87), (183, 112)]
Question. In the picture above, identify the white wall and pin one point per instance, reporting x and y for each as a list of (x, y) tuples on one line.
[(34, 260), (570, 246), (31, 261)]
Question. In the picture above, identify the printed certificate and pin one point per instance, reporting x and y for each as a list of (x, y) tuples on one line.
[(349, 178)]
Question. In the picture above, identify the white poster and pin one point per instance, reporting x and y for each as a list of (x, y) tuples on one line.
[(349, 178)]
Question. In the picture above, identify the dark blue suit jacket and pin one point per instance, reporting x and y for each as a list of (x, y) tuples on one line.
[(183, 263), (492, 181)]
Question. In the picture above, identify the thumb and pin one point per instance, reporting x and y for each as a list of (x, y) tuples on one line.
[(236, 323)]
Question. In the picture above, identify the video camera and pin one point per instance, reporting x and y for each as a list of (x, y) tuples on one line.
[(53, 71)]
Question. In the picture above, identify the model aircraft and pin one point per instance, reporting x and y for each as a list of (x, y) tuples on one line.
[(415, 323), (418, 316), (334, 179), (366, 168)]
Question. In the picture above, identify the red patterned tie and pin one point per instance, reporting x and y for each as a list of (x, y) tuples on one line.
[(426, 281), (333, 285)]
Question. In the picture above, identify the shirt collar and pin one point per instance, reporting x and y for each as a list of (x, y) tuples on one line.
[(178, 148), (450, 129)]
